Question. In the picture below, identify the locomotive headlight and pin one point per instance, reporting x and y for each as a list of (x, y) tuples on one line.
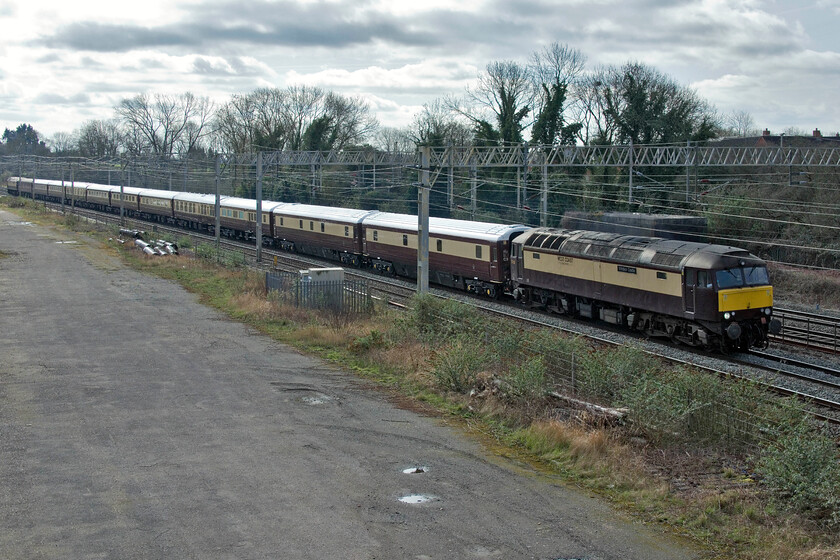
[(727, 315), (767, 311)]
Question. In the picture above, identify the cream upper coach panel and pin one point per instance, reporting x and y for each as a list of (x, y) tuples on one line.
[(479, 231)]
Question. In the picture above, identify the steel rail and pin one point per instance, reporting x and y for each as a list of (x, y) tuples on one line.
[(811, 330)]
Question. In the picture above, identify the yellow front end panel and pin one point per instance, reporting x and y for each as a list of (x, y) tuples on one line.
[(738, 299)]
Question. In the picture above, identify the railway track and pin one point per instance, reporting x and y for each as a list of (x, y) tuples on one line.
[(810, 330), (395, 292)]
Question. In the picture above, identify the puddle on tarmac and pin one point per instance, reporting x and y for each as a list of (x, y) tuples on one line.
[(416, 470), (417, 499), (317, 398), (311, 396)]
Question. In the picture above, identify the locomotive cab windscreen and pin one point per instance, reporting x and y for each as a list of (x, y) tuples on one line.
[(742, 276)]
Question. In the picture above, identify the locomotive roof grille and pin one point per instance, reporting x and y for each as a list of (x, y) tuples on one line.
[(600, 250), (558, 241), (537, 240), (627, 254), (667, 259), (575, 247)]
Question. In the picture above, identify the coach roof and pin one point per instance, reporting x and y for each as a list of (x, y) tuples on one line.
[(482, 231), (313, 212)]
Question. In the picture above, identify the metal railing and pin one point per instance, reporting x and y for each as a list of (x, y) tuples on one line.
[(348, 296), (809, 329)]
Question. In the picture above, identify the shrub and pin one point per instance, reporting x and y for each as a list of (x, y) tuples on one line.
[(438, 321), (563, 356), (803, 472), (606, 375), (527, 381), (457, 367)]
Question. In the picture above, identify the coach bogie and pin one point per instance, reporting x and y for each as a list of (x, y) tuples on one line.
[(492, 290), (350, 259), (383, 267)]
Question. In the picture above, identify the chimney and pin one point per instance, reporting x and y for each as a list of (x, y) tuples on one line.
[(766, 132), (817, 133)]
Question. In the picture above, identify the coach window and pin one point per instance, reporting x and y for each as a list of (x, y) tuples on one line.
[(405, 240), (322, 227), (375, 235), (281, 221), (301, 224), (346, 231), (478, 251), (494, 254), (311, 225), (439, 245)]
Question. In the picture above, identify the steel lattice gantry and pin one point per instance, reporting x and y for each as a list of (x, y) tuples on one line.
[(562, 156)]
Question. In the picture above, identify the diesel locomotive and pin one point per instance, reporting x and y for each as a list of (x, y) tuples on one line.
[(700, 294)]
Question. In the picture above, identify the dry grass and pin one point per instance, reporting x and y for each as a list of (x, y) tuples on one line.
[(807, 288), (584, 448), (413, 360), (820, 553)]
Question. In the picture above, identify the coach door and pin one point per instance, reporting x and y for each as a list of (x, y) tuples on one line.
[(517, 262), (690, 289), (494, 260)]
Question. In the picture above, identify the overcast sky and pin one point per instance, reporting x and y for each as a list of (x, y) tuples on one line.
[(64, 62)]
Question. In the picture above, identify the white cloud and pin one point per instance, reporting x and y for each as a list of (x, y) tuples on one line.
[(765, 57), (435, 75)]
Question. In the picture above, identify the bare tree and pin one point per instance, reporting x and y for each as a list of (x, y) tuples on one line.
[(234, 124), (555, 71), (557, 64), (437, 125), (351, 119), (591, 105), (741, 123), (392, 139), (295, 118), (506, 91), (99, 139), (795, 131), (197, 113), (159, 124), (63, 143), (303, 105)]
